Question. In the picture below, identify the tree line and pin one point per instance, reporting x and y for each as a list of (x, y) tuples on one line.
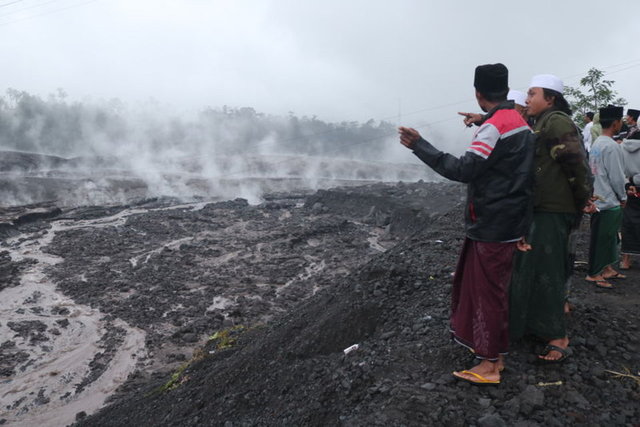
[(55, 125)]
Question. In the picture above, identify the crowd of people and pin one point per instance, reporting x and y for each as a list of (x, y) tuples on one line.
[(533, 175)]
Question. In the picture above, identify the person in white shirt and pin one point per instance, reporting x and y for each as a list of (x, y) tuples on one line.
[(586, 132)]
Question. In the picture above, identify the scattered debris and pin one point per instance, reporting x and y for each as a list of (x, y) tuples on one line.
[(350, 349), (541, 384), (627, 374)]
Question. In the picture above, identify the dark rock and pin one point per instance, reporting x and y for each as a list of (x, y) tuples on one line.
[(575, 398), (491, 420), (60, 311), (37, 214), (41, 399), (533, 396), (526, 423), (512, 405), (63, 323), (484, 403)]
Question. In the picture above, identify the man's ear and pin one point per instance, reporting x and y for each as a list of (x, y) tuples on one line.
[(480, 100), (550, 100)]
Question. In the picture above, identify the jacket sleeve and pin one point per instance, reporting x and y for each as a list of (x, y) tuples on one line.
[(467, 167), (613, 165), (566, 148)]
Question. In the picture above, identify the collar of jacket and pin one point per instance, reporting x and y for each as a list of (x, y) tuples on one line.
[(545, 113), (504, 105)]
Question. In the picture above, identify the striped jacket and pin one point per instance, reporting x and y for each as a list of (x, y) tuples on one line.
[(498, 168)]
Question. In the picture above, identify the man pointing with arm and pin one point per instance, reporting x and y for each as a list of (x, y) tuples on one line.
[(498, 168)]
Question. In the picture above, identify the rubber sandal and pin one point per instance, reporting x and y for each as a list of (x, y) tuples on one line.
[(615, 276), (603, 284), (480, 380), (565, 352)]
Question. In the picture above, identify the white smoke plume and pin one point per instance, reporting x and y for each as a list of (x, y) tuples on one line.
[(100, 152)]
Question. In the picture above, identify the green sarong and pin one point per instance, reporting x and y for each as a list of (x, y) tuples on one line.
[(539, 282), (604, 241)]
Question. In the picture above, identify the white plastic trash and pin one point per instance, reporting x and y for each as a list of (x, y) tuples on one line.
[(350, 349)]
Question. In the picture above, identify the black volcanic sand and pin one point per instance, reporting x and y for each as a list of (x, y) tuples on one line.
[(297, 280)]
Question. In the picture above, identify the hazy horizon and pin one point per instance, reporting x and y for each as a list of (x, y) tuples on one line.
[(410, 63)]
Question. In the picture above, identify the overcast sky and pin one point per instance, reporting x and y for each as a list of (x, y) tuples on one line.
[(339, 60)]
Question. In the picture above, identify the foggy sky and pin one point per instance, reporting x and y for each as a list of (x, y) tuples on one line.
[(339, 60)]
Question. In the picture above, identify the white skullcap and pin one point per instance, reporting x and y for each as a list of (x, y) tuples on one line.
[(518, 97), (547, 81)]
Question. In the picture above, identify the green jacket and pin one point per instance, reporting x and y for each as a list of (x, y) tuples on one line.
[(563, 178)]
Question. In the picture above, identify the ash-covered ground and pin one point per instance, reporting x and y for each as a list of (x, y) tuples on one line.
[(234, 314)]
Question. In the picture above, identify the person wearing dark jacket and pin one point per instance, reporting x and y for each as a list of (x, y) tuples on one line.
[(632, 121), (631, 213), (498, 168), (563, 188)]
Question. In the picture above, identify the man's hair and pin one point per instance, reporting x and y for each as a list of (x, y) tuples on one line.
[(558, 100), (607, 123), (495, 96), (590, 115)]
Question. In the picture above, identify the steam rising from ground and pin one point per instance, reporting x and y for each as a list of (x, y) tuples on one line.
[(108, 152)]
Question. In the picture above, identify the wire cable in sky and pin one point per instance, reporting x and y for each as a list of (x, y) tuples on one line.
[(628, 65), (10, 3), (634, 62), (624, 69), (62, 9), (22, 9), (421, 125)]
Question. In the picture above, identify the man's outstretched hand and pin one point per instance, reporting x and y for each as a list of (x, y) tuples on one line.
[(408, 136), (471, 118)]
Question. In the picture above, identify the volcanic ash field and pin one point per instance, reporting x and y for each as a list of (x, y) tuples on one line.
[(228, 313)]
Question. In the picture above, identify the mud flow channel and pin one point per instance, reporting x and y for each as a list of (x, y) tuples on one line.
[(59, 357)]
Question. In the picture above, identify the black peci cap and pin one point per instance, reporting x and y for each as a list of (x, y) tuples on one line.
[(611, 112), (491, 78)]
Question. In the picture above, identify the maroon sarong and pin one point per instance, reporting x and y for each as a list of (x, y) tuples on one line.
[(480, 297)]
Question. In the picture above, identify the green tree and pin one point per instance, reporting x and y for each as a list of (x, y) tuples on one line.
[(594, 92)]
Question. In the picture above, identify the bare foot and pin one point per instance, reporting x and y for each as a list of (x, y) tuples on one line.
[(554, 355), (625, 264), (568, 307)]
